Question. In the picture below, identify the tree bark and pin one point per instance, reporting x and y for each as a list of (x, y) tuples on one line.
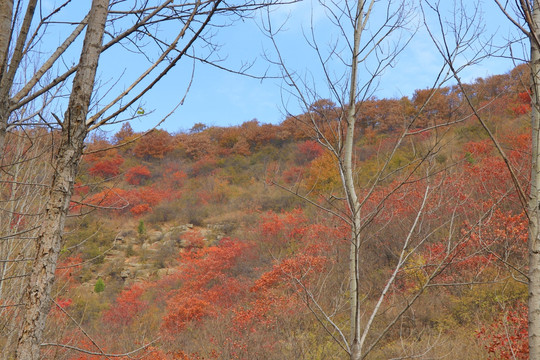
[(7, 73), (534, 211), (37, 296), (350, 191), (6, 13)]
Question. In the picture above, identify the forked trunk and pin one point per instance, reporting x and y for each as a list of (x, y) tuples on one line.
[(37, 297)]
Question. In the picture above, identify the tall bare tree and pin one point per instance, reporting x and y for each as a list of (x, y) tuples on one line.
[(49, 238), (369, 31), (533, 21)]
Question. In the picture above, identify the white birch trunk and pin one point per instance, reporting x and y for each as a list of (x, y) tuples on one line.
[(534, 211), (350, 191), (49, 241)]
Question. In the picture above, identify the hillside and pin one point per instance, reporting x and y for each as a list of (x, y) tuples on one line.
[(231, 242)]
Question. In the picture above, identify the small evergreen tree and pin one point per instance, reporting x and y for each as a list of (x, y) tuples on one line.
[(141, 229), (100, 286)]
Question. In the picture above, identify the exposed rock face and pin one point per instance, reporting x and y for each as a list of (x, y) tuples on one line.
[(153, 236), (125, 274), (153, 254)]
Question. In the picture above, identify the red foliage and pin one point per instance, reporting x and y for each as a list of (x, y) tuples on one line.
[(125, 134), (104, 161), (140, 209), (503, 233), (192, 240), (433, 106), (68, 269), (508, 338), (486, 171), (17, 220), (291, 269), (293, 230), (82, 342), (183, 309), (173, 176), (241, 147), (525, 97), (127, 306), (199, 145), (153, 353), (108, 167), (80, 189), (112, 198), (292, 128), (204, 165), (274, 294), (138, 201), (177, 178), (521, 109), (262, 313), (207, 289), (293, 175), (143, 199), (257, 135), (383, 114), (483, 147), (523, 105), (63, 304), (310, 150), (519, 146), (150, 195), (156, 144), (98, 149), (284, 227), (137, 174)]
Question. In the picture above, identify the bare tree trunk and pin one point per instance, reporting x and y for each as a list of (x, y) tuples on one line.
[(49, 240), (7, 74), (6, 13), (534, 211), (350, 190)]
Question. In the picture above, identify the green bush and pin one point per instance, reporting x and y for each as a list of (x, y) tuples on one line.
[(141, 229), (99, 286)]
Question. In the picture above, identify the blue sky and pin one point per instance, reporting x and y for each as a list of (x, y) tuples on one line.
[(220, 98)]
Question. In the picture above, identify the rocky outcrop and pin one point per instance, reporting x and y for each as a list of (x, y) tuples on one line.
[(153, 254)]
